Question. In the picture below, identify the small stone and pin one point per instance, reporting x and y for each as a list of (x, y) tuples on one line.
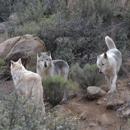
[(112, 104), (92, 125), (99, 102), (95, 92)]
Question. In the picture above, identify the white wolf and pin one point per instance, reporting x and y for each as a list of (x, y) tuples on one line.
[(27, 83), (48, 67), (109, 63)]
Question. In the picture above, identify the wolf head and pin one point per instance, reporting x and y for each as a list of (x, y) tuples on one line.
[(44, 60), (103, 62), (16, 65)]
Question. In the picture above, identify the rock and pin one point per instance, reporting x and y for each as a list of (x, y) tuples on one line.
[(124, 111), (95, 92), (25, 47), (14, 17), (7, 45), (104, 120), (93, 126), (99, 102), (114, 103), (84, 115)]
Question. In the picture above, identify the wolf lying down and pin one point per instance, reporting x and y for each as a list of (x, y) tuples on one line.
[(48, 67), (27, 82), (109, 63)]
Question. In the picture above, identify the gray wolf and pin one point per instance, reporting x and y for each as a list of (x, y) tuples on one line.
[(109, 63), (47, 67), (27, 83)]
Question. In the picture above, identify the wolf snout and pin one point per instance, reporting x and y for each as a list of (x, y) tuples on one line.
[(45, 65), (100, 71)]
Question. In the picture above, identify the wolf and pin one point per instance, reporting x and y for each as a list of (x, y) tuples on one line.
[(27, 83), (109, 63), (47, 67)]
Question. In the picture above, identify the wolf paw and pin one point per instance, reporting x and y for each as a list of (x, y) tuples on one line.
[(111, 91)]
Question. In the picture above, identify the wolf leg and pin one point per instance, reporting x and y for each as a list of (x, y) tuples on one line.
[(113, 85), (108, 81)]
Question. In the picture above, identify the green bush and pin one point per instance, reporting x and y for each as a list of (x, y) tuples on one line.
[(55, 88), (20, 113), (86, 76), (27, 28)]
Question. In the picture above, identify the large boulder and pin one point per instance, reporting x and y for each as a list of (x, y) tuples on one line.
[(25, 47)]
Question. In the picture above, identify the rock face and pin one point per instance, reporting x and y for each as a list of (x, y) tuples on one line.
[(25, 47), (95, 92)]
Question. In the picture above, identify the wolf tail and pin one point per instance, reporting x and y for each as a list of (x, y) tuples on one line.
[(110, 43)]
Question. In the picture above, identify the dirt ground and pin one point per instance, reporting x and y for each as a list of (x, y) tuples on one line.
[(92, 114)]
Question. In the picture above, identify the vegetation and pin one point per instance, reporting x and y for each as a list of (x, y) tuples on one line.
[(55, 88), (18, 113), (86, 76), (71, 29)]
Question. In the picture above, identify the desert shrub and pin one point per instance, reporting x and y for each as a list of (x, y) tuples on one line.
[(3, 69), (126, 12), (99, 8), (5, 9), (86, 76), (27, 28), (20, 113), (55, 88)]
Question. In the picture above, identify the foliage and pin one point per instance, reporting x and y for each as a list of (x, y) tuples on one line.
[(126, 12), (86, 76), (27, 28), (66, 53), (18, 113), (5, 9), (3, 69), (56, 89)]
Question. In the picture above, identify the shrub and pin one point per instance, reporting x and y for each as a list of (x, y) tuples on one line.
[(19, 113), (56, 89), (26, 28), (5, 9), (86, 76), (4, 69)]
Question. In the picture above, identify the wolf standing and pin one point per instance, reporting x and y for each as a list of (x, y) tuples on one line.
[(27, 82), (48, 67), (109, 63)]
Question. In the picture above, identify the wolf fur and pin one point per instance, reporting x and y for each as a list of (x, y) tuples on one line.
[(109, 63), (27, 83), (47, 67)]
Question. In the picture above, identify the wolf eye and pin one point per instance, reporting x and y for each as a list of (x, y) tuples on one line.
[(102, 64), (46, 59)]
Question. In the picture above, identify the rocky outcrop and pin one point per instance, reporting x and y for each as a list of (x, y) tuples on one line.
[(25, 47)]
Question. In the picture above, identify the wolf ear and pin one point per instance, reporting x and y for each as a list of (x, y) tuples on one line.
[(38, 56), (98, 57), (105, 56), (49, 53), (12, 63), (19, 61)]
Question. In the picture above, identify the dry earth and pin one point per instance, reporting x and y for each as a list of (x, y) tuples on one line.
[(92, 114)]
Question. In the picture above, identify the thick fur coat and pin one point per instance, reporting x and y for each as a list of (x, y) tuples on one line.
[(27, 83), (109, 63), (47, 67)]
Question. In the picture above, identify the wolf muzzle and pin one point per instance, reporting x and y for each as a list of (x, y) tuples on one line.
[(100, 71), (45, 65)]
